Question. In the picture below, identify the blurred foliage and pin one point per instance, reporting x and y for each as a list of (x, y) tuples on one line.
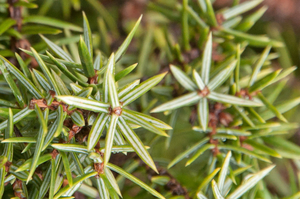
[(228, 94)]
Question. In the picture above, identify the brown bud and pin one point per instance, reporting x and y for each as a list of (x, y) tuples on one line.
[(42, 103), (54, 153), (117, 111), (52, 93), (204, 92), (99, 167), (7, 166), (225, 118), (220, 19)]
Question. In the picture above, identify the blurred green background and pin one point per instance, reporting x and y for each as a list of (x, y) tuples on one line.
[(111, 21)]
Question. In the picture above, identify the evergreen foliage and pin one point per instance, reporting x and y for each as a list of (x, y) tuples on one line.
[(73, 112)]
